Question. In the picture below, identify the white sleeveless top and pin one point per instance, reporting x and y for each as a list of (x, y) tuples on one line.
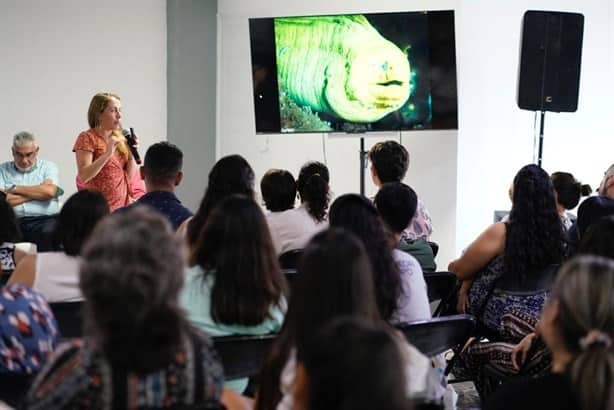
[(57, 277)]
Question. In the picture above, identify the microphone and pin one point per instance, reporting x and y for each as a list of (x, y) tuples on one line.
[(131, 139)]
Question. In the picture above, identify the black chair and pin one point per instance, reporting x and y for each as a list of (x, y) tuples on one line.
[(289, 259), (291, 275), (434, 247), (243, 355), (69, 317), (442, 286), (440, 334)]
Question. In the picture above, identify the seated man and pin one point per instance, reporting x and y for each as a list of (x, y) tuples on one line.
[(31, 187), (161, 172), (389, 163), (396, 204)]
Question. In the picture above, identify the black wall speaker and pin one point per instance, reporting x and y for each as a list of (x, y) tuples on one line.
[(551, 54)]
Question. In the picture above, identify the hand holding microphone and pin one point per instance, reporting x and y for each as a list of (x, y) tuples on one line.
[(132, 144)]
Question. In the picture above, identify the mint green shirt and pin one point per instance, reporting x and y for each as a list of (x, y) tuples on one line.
[(196, 300)]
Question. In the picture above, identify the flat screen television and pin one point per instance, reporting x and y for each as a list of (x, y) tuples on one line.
[(354, 72)]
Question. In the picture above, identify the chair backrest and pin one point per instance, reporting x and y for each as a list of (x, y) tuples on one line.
[(442, 286), (243, 355), (291, 276), (69, 317), (437, 335), (435, 247), (289, 259)]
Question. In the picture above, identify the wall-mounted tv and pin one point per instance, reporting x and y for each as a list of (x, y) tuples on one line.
[(354, 72)]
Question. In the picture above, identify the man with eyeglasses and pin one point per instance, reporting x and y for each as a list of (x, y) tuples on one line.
[(31, 188)]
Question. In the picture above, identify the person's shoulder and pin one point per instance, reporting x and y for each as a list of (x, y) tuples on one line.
[(405, 258)]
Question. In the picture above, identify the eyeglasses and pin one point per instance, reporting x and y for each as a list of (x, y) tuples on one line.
[(25, 155)]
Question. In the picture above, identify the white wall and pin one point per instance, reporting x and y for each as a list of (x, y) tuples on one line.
[(495, 138), (57, 55), (433, 153)]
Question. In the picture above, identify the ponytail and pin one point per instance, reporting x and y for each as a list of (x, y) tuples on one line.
[(312, 186), (591, 372)]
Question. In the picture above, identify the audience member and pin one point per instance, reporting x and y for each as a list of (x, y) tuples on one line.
[(9, 234), (577, 325), (606, 187), (313, 189), (599, 238), (351, 364), (230, 175), (31, 188), (104, 160), (591, 211), (567, 193), (335, 279), (139, 350), (389, 163), (396, 204), (399, 283), (516, 256), (55, 274), (290, 228), (235, 285), (161, 172), (28, 336)]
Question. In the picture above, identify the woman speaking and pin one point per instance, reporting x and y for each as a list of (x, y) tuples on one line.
[(104, 161)]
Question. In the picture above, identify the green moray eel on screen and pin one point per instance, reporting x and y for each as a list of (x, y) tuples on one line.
[(342, 66)]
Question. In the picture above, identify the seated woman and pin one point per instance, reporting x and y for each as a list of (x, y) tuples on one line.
[(290, 228), (9, 234), (230, 175), (28, 336), (139, 350), (313, 190), (567, 194), (335, 279), (399, 283), (234, 285), (518, 255), (56, 274), (351, 364), (577, 325)]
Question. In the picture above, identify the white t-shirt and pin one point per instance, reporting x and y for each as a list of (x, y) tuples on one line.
[(413, 303), (57, 277), (293, 228)]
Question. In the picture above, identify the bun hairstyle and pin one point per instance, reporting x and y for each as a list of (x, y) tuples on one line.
[(312, 186), (568, 189), (584, 290)]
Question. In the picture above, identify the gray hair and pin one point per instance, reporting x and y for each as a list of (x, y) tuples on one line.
[(24, 138), (610, 171)]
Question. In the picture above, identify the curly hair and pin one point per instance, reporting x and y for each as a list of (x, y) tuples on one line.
[(357, 214), (230, 175), (312, 186), (131, 275), (534, 236), (390, 160)]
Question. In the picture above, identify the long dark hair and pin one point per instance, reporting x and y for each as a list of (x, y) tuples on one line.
[(230, 175), (358, 215), (131, 276), (584, 289), (77, 220), (9, 229), (334, 279), (534, 236), (312, 186), (599, 238), (236, 247), (354, 364)]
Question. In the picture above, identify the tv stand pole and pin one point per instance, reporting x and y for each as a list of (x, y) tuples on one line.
[(541, 139), (363, 165)]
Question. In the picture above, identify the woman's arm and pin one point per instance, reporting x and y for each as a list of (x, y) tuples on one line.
[(24, 272), (87, 168), (489, 244)]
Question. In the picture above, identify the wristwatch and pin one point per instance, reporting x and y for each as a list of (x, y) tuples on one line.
[(11, 188)]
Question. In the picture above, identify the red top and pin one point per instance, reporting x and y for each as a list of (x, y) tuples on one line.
[(112, 180)]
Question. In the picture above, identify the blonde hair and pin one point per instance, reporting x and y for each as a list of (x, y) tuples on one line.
[(97, 106), (585, 291)]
